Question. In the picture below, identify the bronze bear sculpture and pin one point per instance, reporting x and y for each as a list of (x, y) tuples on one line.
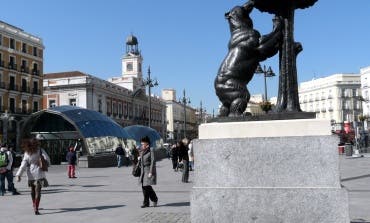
[(246, 49)]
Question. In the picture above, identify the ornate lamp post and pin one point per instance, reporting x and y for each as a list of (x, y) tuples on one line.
[(5, 117), (184, 101), (150, 83), (266, 73), (200, 113)]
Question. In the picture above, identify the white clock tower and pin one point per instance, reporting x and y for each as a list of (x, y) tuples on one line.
[(132, 60)]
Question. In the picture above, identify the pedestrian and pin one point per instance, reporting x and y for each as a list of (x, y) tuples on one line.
[(174, 156), (36, 176), (148, 175), (6, 170), (134, 156), (120, 153), (184, 158), (71, 158), (127, 155), (191, 156)]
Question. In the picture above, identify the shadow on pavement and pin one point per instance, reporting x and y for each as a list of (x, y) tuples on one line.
[(355, 178), (180, 204), (62, 210)]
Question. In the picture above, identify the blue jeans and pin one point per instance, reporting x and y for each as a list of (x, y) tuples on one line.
[(119, 160), (9, 177)]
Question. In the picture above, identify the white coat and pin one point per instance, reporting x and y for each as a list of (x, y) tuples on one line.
[(30, 163)]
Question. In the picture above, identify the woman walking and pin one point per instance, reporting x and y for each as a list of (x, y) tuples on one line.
[(31, 164), (148, 175), (184, 158)]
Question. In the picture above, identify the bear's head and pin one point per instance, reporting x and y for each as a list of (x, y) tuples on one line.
[(238, 18)]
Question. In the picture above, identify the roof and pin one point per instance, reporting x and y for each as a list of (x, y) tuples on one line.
[(90, 123), (65, 74)]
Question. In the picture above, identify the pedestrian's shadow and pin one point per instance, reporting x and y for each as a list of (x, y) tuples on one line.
[(180, 204), (63, 210)]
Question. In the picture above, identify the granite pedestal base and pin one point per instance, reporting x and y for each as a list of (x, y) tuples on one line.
[(292, 177)]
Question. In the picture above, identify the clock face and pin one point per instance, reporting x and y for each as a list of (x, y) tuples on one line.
[(129, 67)]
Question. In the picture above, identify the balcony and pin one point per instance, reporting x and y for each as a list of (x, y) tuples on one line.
[(12, 66), (13, 87), (25, 69), (323, 109), (330, 96), (330, 109), (25, 89), (36, 91), (35, 72)]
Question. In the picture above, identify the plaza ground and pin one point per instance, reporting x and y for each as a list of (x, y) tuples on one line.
[(113, 195)]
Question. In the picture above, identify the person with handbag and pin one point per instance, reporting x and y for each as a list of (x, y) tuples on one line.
[(35, 161), (184, 159), (148, 175)]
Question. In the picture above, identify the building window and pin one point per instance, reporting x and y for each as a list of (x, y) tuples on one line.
[(12, 105), (24, 47), (12, 83), (52, 103), (1, 39), (35, 106), (99, 105), (24, 85), (36, 87), (129, 67), (12, 43), (24, 106), (35, 70), (72, 102), (119, 109), (34, 51), (11, 62)]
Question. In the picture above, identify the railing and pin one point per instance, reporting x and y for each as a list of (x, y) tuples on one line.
[(35, 72), (25, 69), (13, 87), (36, 91), (12, 66), (25, 89)]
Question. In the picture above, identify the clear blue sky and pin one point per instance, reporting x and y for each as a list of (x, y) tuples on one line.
[(184, 42)]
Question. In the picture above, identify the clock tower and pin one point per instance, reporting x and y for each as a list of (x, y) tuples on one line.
[(132, 61)]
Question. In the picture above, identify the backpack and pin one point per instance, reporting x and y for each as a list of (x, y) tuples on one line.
[(3, 159)]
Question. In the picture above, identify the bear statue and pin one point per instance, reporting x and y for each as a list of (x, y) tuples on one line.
[(246, 49)]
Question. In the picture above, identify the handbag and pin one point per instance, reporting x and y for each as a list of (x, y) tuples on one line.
[(136, 171), (43, 164)]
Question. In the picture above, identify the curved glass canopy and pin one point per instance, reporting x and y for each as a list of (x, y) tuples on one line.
[(139, 131)]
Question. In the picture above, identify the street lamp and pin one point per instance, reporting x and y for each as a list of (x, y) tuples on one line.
[(150, 83), (200, 113), (266, 73), (5, 120), (184, 101)]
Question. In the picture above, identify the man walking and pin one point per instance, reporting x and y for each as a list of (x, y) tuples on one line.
[(120, 152), (6, 171)]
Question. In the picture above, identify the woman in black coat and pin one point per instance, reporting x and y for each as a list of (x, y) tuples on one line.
[(184, 158)]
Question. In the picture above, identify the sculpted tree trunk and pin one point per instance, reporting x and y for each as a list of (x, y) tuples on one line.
[(288, 100)]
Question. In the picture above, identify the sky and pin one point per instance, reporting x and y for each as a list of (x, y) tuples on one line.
[(184, 42)]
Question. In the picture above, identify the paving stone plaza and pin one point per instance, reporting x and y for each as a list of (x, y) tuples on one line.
[(113, 195)]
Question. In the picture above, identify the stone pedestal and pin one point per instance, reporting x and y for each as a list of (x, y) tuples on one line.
[(268, 171)]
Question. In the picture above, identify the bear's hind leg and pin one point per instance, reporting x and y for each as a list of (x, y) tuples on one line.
[(224, 111), (238, 106)]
